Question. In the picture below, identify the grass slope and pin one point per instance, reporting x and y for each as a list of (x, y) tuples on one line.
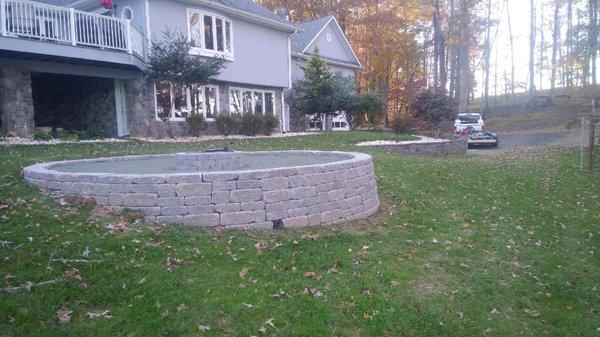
[(472, 247)]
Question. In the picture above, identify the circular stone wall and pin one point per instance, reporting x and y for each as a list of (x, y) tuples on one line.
[(295, 196)]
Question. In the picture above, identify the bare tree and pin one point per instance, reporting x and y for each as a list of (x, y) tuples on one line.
[(532, 32), (486, 57), (569, 43), (542, 47), (593, 36), (439, 47), (555, 46), (512, 50)]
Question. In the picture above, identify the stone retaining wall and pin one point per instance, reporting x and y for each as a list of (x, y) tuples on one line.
[(451, 147), (270, 198)]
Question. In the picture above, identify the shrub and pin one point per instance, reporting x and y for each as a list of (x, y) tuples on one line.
[(2, 135), (227, 125), (250, 124), (434, 106), (68, 136), (269, 124), (91, 134), (401, 124), (42, 135), (197, 124)]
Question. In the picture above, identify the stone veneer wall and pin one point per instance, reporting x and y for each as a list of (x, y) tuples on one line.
[(16, 102), (451, 147), (270, 198), (142, 112)]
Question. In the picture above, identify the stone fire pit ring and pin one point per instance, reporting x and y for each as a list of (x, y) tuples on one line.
[(338, 187)]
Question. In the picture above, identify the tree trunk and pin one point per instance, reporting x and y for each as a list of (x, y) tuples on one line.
[(592, 37), (512, 51), (542, 48), (555, 35), (569, 43), (532, 32), (463, 59), (487, 52)]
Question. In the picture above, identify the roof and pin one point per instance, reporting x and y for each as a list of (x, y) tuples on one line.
[(302, 39), (252, 7)]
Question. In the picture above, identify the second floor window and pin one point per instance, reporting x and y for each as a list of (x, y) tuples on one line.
[(210, 34)]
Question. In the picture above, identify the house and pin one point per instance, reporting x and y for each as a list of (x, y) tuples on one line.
[(74, 64), (326, 36)]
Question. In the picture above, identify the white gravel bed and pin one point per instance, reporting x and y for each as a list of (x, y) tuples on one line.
[(394, 142), (202, 138), (26, 141)]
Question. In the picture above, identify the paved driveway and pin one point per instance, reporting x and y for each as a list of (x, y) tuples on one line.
[(521, 140)]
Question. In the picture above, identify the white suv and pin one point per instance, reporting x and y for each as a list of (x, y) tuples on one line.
[(470, 121)]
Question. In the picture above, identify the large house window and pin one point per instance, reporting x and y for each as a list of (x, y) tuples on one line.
[(210, 34), (176, 104), (250, 100)]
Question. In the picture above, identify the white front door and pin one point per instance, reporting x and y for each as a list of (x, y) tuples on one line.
[(121, 107)]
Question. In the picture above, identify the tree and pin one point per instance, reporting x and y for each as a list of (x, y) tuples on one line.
[(555, 47), (367, 106), (320, 93), (532, 32), (170, 62), (434, 106), (512, 50)]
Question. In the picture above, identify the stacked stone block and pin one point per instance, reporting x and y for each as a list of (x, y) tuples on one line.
[(290, 197), (209, 161)]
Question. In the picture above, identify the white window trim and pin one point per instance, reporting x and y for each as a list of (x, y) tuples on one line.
[(189, 104), (263, 92), (209, 52)]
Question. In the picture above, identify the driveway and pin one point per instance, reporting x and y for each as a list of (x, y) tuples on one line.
[(522, 140)]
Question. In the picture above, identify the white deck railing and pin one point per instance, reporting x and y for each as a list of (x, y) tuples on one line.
[(34, 20)]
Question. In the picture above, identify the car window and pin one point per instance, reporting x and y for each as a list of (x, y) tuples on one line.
[(466, 119)]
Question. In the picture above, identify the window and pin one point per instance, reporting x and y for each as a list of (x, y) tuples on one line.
[(210, 34), (176, 104), (252, 101)]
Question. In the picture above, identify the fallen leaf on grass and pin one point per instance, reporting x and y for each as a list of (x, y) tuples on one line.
[(531, 312), (244, 272), (99, 313), (203, 328), (3, 207), (181, 307), (310, 274), (64, 316), (72, 274)]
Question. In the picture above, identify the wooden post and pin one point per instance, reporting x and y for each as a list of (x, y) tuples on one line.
[(3, 18), (128, 37), (72, 23)]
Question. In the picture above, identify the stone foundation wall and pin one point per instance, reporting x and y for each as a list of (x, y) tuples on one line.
[(451, 147), (271, 198), (141, 109), (16, 102)]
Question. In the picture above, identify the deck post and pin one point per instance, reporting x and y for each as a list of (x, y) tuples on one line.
[(3, 18), (72, 24), (128, 37)]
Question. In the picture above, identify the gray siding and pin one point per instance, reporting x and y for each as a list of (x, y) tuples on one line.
[(298, 73), (336, 49), (260, 53)]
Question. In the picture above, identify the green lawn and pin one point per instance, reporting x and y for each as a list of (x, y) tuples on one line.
[(463, 247)]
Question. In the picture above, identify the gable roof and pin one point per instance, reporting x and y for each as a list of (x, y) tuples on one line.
[(252, 7), (300, 41)]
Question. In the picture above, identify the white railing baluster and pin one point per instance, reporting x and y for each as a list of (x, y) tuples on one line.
[(128, 39)]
